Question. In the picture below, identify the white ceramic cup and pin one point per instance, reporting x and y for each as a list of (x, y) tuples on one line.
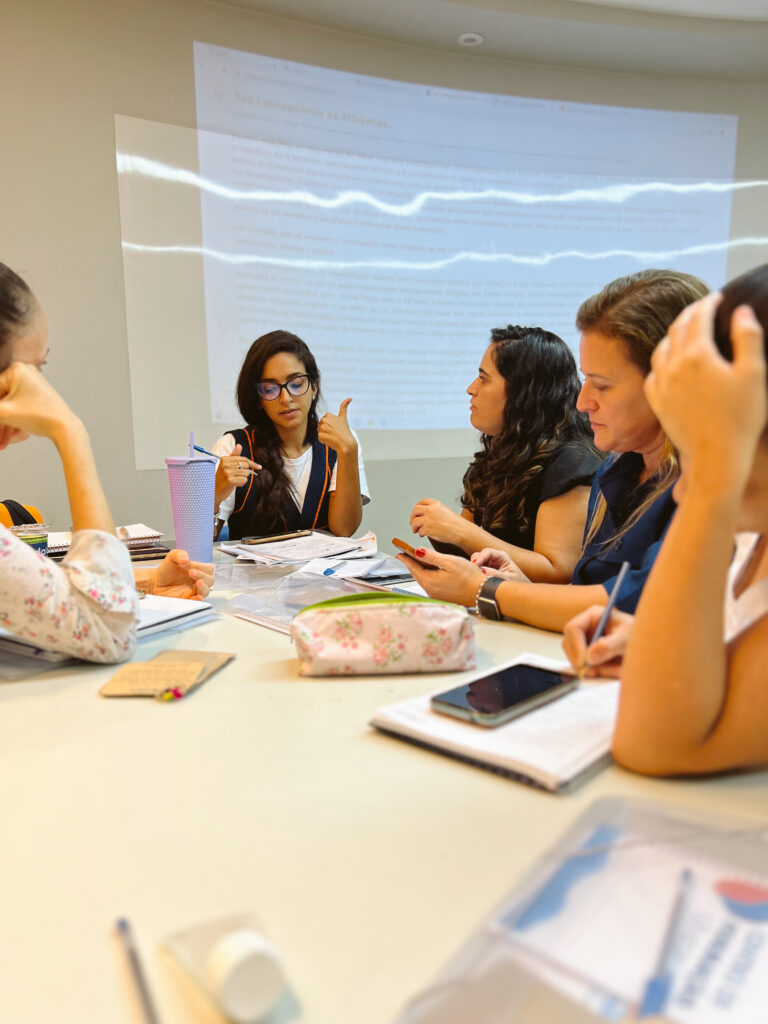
[(244, 975)]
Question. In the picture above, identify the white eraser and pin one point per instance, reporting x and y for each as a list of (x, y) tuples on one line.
[(244, 975)]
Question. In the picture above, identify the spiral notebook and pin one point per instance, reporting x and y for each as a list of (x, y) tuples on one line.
[(137, 535)]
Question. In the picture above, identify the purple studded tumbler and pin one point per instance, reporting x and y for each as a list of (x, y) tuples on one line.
[(192, 485)]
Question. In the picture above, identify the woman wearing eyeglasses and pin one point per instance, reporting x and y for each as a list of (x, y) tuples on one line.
[(286, 471)]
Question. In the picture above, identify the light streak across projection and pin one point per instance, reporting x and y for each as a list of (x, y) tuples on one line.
[(614, 194), (245, 259)]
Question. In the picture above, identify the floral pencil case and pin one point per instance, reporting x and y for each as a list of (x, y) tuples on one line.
[(379, 634)]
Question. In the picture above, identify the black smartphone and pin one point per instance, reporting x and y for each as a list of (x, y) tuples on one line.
[(504, 694)]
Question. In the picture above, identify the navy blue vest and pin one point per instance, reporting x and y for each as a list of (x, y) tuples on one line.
[(617, 480), (313, 513)]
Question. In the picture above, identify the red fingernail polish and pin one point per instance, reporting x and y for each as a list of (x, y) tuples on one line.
[(421, 552)]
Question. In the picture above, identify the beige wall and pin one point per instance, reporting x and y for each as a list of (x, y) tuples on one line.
[(67, 66)]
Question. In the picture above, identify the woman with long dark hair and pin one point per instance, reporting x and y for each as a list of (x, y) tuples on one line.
[(287, 470), (526, 491)]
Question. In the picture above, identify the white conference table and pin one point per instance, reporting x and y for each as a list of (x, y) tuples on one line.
[(368, 861)]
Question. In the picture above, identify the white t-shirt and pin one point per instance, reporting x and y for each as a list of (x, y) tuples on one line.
[(298, 473)]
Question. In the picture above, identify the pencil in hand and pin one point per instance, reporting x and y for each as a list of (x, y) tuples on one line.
[(603, 622)]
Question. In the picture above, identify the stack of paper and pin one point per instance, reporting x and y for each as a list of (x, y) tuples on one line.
[(297, 549), (380, 569)]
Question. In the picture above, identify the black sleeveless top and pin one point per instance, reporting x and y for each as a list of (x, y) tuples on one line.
[(572, 465), (314, 511)]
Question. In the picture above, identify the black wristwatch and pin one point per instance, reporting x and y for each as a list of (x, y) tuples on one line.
[(487, 606)]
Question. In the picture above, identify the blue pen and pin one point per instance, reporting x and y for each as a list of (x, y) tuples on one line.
[(204, 452), (659, 986), (332, 569)]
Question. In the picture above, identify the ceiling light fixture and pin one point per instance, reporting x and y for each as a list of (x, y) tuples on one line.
[(470, 39)]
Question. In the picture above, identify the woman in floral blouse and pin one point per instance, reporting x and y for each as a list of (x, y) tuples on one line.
[(86, 605)]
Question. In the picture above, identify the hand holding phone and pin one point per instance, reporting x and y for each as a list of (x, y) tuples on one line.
[(407, 549)]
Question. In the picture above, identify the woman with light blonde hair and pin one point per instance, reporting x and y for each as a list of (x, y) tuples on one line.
[(631, 504)]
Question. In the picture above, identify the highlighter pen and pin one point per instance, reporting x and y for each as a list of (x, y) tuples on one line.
[(137, 971), (614, 596), (659, 986)]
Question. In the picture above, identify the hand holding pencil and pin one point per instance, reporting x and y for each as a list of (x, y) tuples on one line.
[(595, 640)]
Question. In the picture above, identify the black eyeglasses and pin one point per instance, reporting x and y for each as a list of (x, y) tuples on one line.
[(272, 389)]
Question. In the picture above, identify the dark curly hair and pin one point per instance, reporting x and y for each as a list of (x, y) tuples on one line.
[(540, 416), (273, 483)]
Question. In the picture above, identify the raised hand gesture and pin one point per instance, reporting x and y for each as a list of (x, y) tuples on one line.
[(334, 430)]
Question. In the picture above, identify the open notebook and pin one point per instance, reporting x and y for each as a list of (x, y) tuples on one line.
[(553, 747)]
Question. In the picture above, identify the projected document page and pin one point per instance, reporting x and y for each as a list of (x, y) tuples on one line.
[(393, 225)]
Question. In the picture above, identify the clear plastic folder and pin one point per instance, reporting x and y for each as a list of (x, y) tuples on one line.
[(584, 934)]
